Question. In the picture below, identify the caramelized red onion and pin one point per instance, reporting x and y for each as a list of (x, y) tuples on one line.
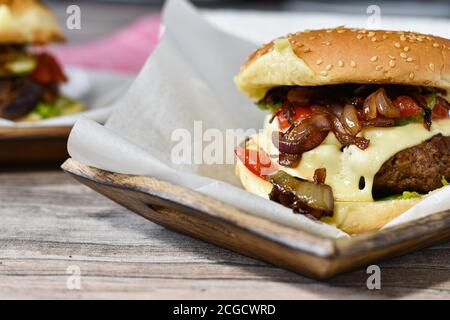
[(369, 110), (378, 122), (344, 138), (350, 120), (379, 101), (302, 196), (301, 137), (320, 175), (384, 105)]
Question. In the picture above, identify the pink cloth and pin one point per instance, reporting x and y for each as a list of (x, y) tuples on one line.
[(124, 51)]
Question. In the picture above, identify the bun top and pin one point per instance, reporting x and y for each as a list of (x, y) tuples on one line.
[(341, 55), (27, 22)]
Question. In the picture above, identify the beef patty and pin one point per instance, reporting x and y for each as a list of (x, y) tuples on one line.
[(419, 169)]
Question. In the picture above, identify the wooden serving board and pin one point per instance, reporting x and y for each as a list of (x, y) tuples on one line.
[(203, 217), (33, 146)]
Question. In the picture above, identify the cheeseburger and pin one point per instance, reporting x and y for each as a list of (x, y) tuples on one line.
[(359, 123), (30, 79)]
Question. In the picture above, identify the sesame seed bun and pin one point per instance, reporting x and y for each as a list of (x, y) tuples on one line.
[(351, 217), (341, 55), (27, 22)]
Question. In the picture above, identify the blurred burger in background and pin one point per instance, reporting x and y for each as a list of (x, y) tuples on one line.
[(30, 77)]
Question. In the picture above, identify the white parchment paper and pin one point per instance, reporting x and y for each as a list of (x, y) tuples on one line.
[(97, 89), (189, 77)]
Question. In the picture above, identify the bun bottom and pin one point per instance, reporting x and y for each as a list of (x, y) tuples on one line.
[(351, 217)]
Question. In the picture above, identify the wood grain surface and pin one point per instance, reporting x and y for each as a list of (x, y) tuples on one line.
[(49, 222)]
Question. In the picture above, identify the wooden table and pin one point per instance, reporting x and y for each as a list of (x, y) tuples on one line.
[(51, 227)]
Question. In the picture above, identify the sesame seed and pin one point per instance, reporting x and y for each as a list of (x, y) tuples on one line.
[(409, 59), (403, 55), (371, 34), (359, 36), (378, 68), (406, 49), (353, 64), (327, 43), (411, 75), (402, 38), (431, 65), (391, 57), (307, 50), (329, 31), (392, 63), (374, 39), (324, 73), (436, 45), (341, 31), (429, 38), (385, 36), (397, 45), (374, 58), (329, 67), (340, 63), (319, 62)]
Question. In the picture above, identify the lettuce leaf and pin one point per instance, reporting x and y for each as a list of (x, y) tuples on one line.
[(63, 106), (431, 100), (404, 196), (408, 120), (269, 107)]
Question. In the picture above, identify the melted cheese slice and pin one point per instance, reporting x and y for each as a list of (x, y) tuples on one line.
[(345, 168)]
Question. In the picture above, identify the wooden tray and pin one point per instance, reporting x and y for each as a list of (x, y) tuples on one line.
[(33, 146), (203, 217)]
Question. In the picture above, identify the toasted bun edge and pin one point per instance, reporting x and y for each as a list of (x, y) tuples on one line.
[(342, 55), (27, 22)]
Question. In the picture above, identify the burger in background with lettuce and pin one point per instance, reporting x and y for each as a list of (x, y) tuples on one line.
[(29, 76)]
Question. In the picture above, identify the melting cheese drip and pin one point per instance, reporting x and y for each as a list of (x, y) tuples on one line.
[(345, 168)]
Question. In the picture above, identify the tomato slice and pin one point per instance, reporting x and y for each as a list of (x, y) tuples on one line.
[(47, 70), (441, 109), (299, 113), (408, 106), (257, 161)]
